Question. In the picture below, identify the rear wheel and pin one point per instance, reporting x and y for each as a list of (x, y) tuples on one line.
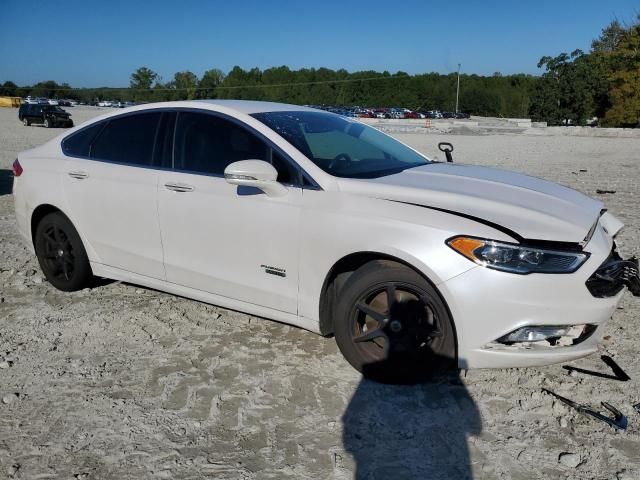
[(47, 123), (61, 255), (392, 325), (26, 122)]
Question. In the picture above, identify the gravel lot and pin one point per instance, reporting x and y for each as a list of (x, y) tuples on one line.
[(120, 382)]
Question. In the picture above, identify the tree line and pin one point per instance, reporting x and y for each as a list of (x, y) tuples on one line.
[(574, 87), (496, 95), (602, 83)]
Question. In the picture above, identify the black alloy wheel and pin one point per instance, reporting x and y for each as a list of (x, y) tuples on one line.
[(393, 326), (60, 252)]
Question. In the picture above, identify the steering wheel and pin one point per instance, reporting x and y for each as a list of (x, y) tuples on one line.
[(339, 158)]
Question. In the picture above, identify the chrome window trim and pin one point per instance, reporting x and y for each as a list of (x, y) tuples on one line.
[(303, 173)]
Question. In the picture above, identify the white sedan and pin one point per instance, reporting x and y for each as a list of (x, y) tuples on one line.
[(320, 221)]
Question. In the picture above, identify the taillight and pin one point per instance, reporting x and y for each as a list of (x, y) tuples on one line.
[(17, 168)]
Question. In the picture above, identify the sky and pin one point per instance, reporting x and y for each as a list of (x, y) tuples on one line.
[(91, 43)]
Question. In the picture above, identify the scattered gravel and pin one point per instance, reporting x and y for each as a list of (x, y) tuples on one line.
[(111, 383)]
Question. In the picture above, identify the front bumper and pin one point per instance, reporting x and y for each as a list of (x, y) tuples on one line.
[(488, 304), (59, 120), (613, 275)]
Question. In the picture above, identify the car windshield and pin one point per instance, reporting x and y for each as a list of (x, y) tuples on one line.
[(340, 146)]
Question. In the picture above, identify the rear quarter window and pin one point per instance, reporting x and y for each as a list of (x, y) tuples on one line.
[(79, 144)]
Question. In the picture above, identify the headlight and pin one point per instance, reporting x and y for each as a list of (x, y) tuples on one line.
[(515, 258)]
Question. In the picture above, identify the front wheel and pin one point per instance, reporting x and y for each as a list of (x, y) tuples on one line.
[(60, 253), (47, 123), (392, 325)]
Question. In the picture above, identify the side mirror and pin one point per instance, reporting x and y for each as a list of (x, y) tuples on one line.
[(255, 173)]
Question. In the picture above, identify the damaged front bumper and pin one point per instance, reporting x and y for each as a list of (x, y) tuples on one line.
[(507, 320), (545, 336), (613, 275)]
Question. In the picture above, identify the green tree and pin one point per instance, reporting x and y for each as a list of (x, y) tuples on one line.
[(8, 88), (141, 81), (185, 84), (47, 89), (481, 102), (210, 81), (564, 94), (625, 81), (609, 38)]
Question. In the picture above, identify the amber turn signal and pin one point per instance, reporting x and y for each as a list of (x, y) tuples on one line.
[(466, 246)]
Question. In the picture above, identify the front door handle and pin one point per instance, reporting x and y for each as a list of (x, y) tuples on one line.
[(179, 187), (79, 175)]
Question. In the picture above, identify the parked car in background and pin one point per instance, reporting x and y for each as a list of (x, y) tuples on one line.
[(323, 222), (104, 103), (53, 101), (47, 115), (433, 114), (462, 115)]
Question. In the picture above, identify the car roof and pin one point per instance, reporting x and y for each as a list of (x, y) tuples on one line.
[(253, 106), (241, 107)]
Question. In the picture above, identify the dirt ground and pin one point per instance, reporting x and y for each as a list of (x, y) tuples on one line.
[(121, 382)]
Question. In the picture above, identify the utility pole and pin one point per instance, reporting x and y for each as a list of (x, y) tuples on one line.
[(458, 89)]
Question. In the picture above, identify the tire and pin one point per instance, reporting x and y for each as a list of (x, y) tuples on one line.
[(26, 122), (60, 253), (47, 123), (70, 124), (410, 342)]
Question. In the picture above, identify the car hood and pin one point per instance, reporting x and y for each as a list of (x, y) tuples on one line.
[(529, 207)]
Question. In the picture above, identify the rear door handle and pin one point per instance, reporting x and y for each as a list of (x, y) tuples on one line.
[(179, 187), (79, 175)]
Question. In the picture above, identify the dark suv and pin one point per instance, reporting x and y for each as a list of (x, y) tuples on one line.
[(49, 115)]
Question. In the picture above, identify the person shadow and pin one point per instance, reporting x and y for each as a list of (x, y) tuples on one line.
[(416, 430)]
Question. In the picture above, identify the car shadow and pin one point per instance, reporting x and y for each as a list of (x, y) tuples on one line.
[(411, 431), (6, 182)]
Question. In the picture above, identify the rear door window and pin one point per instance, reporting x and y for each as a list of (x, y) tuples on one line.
[(129, 139)]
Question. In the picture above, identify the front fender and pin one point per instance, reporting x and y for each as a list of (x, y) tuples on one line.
[(336, 225)]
